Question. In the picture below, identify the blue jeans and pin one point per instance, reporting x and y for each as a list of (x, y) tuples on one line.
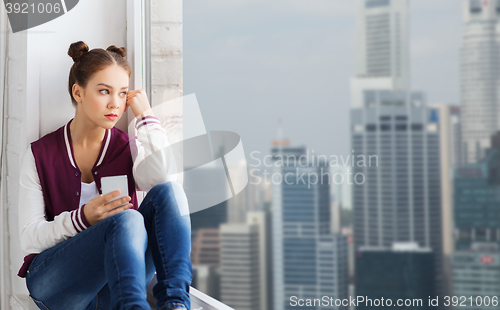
[(110, 264)]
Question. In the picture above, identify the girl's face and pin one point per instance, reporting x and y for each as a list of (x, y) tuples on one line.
[(103, 101)]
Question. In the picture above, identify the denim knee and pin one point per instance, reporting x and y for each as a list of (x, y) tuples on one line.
[(131, 221), (128, 217), (174, 195)]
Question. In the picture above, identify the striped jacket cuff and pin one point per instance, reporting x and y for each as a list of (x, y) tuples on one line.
[(78, 219), (148, 119)]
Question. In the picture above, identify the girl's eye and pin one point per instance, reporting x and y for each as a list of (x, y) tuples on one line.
[(124, 93)]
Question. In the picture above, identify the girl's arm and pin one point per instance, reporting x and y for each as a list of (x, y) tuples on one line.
[(38, 234), (154, 160)]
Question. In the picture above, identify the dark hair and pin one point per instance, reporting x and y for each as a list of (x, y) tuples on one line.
[(87, 63)]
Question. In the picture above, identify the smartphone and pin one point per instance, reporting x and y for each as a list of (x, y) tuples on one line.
[(111, 184)]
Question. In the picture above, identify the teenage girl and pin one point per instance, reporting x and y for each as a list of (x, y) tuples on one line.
[(83, 250)]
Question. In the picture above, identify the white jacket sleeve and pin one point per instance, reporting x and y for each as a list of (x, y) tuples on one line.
[(154, 162), (37, 234)]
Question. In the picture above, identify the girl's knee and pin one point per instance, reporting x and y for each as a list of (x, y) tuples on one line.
[(168, 186), (128, 231), (173, 197), (129, 218)]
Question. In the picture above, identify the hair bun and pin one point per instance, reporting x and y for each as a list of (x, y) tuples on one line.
[(119, 50), (77, 49)]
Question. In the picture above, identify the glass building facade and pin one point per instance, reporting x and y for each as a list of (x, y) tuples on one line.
[(400, 199), (477, 201), (308, 261), (480, 76), (394, 275), (476, 274)]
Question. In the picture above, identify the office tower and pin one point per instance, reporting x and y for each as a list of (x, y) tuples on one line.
[(476, 274), (399, 199), (244, 247), (480, 76), (403, 271), (382, 35), (476, 199), (205, 250), (240, 266), (397, 190), (308, 260), (259, 219), (205, 257)]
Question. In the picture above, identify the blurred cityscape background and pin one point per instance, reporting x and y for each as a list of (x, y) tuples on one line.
[(411, 213)]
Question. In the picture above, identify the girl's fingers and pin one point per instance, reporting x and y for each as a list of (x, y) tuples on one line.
[(122, 208), (103, 199), (116, 203)]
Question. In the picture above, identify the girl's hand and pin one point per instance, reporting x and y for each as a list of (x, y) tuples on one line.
[(99, 208), (138, 102)]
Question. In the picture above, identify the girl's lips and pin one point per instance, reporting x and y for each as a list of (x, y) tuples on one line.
[(111, 117)]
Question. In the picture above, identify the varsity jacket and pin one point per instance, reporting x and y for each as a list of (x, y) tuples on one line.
[(50, 180)]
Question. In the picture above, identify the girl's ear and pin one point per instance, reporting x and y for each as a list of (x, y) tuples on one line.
[(76, 91)]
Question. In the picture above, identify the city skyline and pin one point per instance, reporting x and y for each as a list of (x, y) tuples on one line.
[(314, 117)]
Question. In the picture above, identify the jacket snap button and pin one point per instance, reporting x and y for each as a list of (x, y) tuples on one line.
[(76, 174), (95, 172), (77, 193)]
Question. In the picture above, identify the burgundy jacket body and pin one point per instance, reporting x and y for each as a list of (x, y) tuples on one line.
[(60, 177)]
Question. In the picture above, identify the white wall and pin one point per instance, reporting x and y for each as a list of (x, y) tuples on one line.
[(97, 23)]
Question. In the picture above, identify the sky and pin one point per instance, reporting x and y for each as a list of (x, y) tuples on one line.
[(251, 63)]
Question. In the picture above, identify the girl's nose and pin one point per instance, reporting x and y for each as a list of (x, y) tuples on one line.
[(113, 103)]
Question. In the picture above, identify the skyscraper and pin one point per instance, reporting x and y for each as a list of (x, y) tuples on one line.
[(476, 200), (400, 198), (476, 274), (480, 76), (382, 34), (308, 260), (259, 219), (240, 266), (404, 271), (244, 263), (205, 249)]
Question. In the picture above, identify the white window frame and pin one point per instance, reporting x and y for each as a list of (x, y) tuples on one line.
[(136, 52)]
